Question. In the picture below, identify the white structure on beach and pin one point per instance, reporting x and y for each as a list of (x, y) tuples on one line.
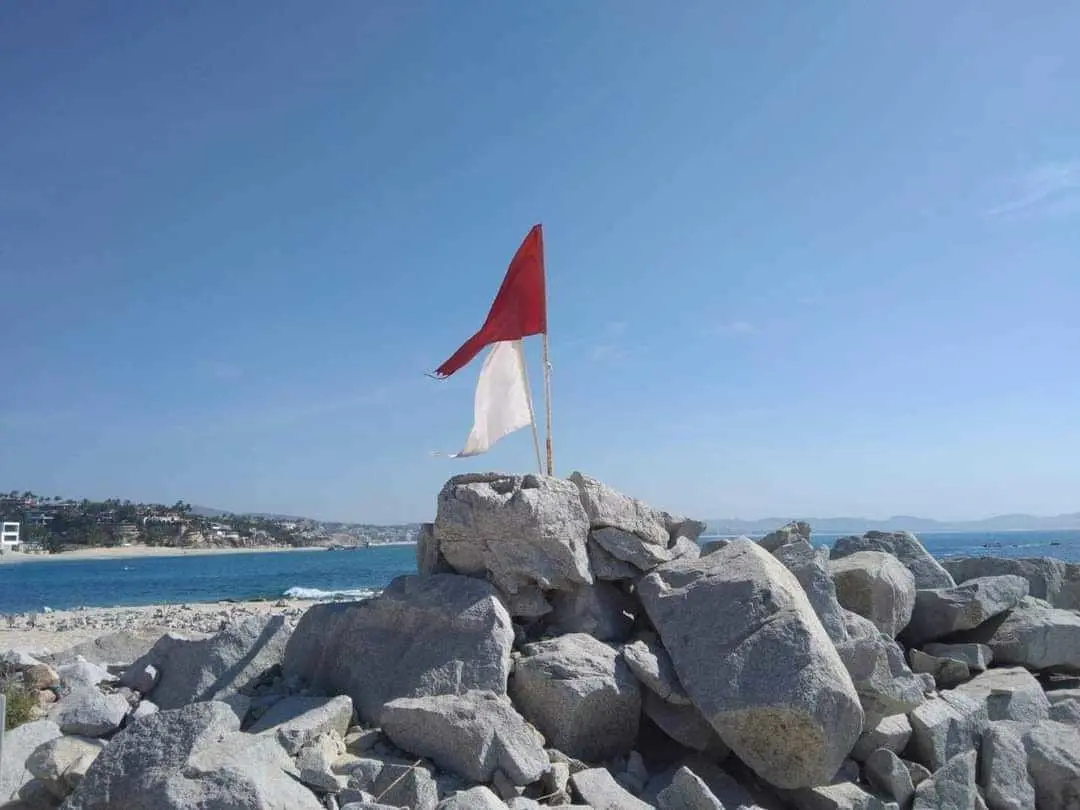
[(9, 537)]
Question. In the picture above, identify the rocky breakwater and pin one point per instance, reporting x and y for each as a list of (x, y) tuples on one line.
[(564, 645)]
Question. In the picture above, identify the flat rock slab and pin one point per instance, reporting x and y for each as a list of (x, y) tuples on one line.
[(726, 619), (477, 798), (472, 735), (977, 657), (217, 667), (947, 672), (905, 547), (61, 763), (945, 727), (598, 788), (891, 732), (877, 586), (1045, 575), (941, 612), (1010, 693), (296, 720), (840, 796), (687, 791), (423, 635), (652, 665), (1032, 635), (517, 530), (580, 694)]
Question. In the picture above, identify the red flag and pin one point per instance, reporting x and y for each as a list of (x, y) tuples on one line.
[(519, 309)]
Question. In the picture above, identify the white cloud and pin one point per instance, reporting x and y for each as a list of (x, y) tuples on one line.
[(1048, 188)]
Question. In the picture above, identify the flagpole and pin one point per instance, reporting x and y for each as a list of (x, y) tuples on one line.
[(532, 410), (547, 407)]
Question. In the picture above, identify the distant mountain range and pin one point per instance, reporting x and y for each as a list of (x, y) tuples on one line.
[(850, 525)]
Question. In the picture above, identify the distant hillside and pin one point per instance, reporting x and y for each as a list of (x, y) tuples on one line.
[(854, 525)]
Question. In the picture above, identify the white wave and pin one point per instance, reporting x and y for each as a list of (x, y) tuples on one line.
[(299, 592)]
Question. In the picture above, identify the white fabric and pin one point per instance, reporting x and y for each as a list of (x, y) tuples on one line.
[(502, 403)]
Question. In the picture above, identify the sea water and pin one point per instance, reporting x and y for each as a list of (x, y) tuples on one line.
[(192, 577)]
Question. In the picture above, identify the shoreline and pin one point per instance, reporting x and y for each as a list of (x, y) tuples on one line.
[(138, 552)]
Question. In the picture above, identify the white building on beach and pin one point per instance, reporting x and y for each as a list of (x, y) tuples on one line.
[(9, 537)]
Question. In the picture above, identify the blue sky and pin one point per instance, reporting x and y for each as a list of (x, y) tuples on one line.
[(805, 259)]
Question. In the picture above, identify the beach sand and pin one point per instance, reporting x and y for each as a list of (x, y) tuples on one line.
[(129, 552), (60, 630)]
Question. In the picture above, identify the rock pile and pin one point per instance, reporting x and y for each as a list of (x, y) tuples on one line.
[(564, 645)]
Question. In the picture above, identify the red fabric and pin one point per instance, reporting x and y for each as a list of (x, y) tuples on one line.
[(519, 309)]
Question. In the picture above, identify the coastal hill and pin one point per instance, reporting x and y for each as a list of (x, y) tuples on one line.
[(857, 525)]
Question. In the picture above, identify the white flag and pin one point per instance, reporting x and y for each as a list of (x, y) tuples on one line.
[(502, 404)]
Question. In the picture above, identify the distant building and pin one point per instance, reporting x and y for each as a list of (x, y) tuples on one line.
[(9, 537)]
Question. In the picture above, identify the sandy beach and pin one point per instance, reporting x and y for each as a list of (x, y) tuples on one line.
[(63, 629), (132, 552)]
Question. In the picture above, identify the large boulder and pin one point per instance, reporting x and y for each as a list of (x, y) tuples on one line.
[(429, 560), (888, 774), (1010, 693), (598, 788), (940, 612), (727, 619), (1065, 706), (215, 668), (952, 787), (1032, 635), (473, 735), (192, 757), (1003, 774), (873, 660), (688, 791), (297, 720), (580, 694), (877, 586), (1053, 751), (946, 726), (977, 657), (791, 533), (946, 672), (423, 635), (602, 610), (62, 763), (88, 712), (18, 745), (652, 665), (840, 796), (517, 530), (891, 732), (905, 547), (1045, 575)]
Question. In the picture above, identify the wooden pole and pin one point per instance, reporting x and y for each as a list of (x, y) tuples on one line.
[(3, 723), (547, 405), (532, 410)]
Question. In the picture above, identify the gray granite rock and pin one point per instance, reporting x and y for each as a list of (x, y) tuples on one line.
[(191, 757), (429, 559), (437, 634), (1053, 751), (725, 619), (688, 791), (789, 533), (477, 798), (978, 657), (952, 787), (1003, 773), (514, 530), (941, 612), (1065, 706), (684, 724), (877, 586), (89, 713), (580, 694), (19, 744), (473, 735), (62, 762), (297, 720), (606, 566), (874, 661), (891, 732), (630, 548), (947, 672), (1032, 635), (215, 668), (601, 610), (1045, 575), (1009, 694), (652, 665), (906, 548), (598, 788), (887, 774), (839, 796), (607, 508), (945, 727)]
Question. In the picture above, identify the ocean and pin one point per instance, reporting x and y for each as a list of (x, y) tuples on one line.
[(64, 584)]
